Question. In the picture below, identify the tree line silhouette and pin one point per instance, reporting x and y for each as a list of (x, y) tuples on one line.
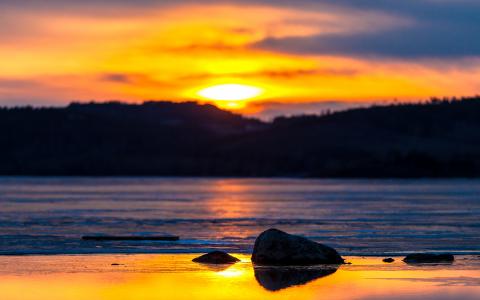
[(440, 138)]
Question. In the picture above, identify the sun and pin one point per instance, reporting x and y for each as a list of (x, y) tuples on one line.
[(230, 96), (230, 92)]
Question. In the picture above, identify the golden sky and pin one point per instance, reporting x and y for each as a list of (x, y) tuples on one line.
[(288, 55)]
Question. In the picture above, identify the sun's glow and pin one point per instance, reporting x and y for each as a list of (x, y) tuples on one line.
[(230, 96), (231, 273), (230, 92)]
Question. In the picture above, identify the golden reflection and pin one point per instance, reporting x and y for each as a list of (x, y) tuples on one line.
[(231, 200), (176, 277), (231, 272)]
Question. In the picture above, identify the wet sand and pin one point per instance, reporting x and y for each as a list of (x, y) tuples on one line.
[(174, 276)]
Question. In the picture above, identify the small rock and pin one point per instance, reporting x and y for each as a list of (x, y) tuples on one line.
[(115, 264), (216, 257), (421, 258), (388, 260), (275, 247)]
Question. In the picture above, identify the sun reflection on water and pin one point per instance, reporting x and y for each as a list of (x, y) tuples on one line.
[(231, 273)]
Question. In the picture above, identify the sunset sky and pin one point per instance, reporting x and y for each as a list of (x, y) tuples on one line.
[(275, 57)]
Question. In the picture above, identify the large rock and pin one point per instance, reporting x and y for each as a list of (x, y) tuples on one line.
[(275, 247), (426, 258), (216, 257)]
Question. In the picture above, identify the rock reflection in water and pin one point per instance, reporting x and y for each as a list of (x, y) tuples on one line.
[(215, 268), (277, 278)]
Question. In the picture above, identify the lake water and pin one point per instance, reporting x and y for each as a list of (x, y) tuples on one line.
[(175, 276), (358, 217)]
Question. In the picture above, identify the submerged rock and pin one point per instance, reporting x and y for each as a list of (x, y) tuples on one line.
[(216, 257), (275, 247), (388, 260), (277, 278), (419, 258)]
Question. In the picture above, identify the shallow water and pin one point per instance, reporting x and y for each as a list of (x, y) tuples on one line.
[(358, 217), (168, 276)]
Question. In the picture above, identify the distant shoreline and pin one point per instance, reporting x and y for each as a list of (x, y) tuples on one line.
[(439, 139), (233, 177)]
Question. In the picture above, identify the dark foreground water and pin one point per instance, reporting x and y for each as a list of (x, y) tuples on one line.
[(358, 217)]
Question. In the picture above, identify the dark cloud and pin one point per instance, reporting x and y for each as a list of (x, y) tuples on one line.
[(278, 74), (7, 83), (116, 77), (439, 29), (421, 41), (137, 79)]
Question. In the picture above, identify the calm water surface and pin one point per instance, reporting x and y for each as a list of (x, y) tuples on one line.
[(359, 217), (175, 276)]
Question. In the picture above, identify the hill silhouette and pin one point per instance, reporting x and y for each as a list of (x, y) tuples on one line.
[(436, 139)]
